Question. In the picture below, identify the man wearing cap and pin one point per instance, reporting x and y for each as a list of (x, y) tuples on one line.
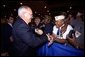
[(59, 45), (61, 29)]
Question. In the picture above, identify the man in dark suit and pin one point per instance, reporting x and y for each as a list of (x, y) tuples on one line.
[(6, 35), (25, 42)]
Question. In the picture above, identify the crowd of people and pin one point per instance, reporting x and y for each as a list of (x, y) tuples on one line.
[(33, 36)]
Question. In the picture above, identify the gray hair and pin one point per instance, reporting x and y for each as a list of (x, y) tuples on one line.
[(22, 9)]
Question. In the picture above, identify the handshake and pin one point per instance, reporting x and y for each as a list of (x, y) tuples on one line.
[(50, 37)]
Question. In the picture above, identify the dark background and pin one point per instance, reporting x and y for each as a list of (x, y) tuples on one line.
[(38, 6)]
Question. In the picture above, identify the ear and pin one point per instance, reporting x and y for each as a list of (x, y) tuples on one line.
[(25, 14)]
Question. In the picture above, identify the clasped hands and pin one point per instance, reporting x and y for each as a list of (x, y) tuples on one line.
[(50, 37)]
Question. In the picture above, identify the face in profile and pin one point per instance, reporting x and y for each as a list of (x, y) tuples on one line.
[(28, 14)]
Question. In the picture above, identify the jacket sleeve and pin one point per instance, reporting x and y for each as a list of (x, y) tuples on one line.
[(28, 37)]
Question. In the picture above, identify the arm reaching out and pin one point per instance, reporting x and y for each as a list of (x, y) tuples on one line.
[(50, 39)]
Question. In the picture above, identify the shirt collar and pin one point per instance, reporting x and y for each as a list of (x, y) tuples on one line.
[(10, 24)]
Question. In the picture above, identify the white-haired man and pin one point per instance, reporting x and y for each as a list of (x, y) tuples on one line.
[(24, 40)]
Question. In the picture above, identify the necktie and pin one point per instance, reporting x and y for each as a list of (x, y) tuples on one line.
[(59, 33)]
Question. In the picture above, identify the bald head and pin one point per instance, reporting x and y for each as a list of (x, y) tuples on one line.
[(25, 13)]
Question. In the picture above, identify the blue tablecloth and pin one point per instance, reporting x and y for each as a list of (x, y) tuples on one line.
[(57, 49)]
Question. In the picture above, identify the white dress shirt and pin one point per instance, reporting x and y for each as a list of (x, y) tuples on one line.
[(68, 29)]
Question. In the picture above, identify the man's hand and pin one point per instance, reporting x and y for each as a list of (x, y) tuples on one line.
[(11, 38), (5, 54), (39, 31), (50, 39), (73, 41)]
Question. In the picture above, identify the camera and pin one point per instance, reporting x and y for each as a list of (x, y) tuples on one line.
[(70, 33)]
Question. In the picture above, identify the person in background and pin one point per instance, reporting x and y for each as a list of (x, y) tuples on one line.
[(48, 25), (37, 21), (7, 35), (78, 25), (37, 25), (3, 20), (70, 17)]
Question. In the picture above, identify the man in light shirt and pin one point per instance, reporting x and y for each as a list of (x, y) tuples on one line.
[(61, 31)]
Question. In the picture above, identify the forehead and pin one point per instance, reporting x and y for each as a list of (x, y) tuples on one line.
[(11, 18), (37, 19), (59, 20), (28, 10)]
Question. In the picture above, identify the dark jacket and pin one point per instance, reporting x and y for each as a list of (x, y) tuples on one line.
[(25, 41), (6, 32)]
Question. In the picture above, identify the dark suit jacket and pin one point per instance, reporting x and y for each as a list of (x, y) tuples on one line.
[(24, 40), (6, 32)]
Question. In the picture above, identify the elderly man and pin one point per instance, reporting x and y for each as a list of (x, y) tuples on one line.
[(25, 42)]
